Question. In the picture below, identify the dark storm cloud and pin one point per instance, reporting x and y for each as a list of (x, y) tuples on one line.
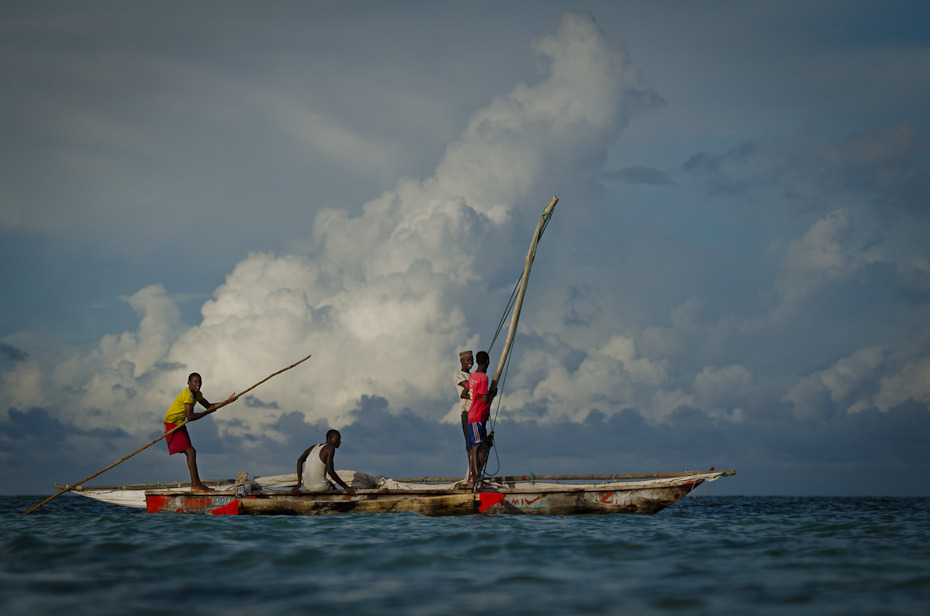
[(254, 403), (37, 427), (10, 353), (639, 175), (773, 454), (886, 168), (861, 453)]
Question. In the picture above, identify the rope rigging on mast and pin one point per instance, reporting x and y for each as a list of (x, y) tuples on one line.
[(514, 307)]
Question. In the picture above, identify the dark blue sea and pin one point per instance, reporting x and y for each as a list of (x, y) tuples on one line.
[(704, 555)]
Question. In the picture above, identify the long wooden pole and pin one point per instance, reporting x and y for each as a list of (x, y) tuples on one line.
[(602, 477), (518, 305), (177, 427)]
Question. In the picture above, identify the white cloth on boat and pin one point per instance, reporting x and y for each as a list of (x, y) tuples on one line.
[(356, 479), (277, 481), (359, 480), (390, 484)]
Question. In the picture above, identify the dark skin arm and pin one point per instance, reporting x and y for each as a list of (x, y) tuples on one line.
[(327, 455), (193, 416), (465, 395)]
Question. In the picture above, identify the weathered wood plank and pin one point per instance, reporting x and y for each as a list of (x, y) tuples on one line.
[(534, 477)]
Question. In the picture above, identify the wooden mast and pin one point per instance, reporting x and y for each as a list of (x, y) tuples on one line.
[(547, 213)]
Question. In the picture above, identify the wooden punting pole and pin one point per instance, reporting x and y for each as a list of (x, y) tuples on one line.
[(177, 427)]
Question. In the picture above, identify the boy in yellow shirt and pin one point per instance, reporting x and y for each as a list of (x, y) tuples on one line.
[(183, 409)]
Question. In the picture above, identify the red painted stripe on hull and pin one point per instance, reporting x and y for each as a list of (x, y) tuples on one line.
[(230, 508), (488, 500), (154, 504)]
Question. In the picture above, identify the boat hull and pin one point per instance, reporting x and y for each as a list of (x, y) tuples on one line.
[(516, 498), (583, 502)]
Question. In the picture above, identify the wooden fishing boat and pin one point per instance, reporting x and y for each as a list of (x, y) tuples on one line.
[(540, 495)]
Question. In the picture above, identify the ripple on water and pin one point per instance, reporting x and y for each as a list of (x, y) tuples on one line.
[(717, 555)]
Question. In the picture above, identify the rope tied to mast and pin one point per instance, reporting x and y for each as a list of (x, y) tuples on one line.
[(514, 305)]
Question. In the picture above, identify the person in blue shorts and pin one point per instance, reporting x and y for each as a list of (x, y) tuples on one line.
[(481, 396)]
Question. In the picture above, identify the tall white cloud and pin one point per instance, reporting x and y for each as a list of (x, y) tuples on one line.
[(377, 298)]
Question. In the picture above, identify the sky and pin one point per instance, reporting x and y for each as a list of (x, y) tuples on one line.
[(737, 273)]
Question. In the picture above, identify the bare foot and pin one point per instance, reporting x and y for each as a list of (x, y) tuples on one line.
[(201, 488)]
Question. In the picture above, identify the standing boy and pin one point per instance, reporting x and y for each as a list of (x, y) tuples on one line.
[(479, 413), (183, 409), (460, 378)]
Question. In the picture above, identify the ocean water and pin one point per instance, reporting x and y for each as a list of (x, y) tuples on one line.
[(703, 555)]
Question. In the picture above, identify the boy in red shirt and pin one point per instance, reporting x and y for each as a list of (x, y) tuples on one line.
[(481, 397)]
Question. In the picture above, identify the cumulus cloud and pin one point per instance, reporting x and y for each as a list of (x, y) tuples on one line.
[(723, 391), (843, 206), (684, 317), (381, 298), (22, 385), (610, 377), (911, 382), (843, 387), (821, 256), (869, 379)]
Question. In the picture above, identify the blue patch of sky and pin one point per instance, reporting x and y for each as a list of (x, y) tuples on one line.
[(48, 290), (672, 209), (881, 24)]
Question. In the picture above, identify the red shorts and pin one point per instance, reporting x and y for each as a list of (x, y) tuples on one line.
[(178, 441)]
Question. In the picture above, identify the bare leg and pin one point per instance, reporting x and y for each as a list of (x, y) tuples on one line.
[(467, 448), (196, 484), (480, 455)]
